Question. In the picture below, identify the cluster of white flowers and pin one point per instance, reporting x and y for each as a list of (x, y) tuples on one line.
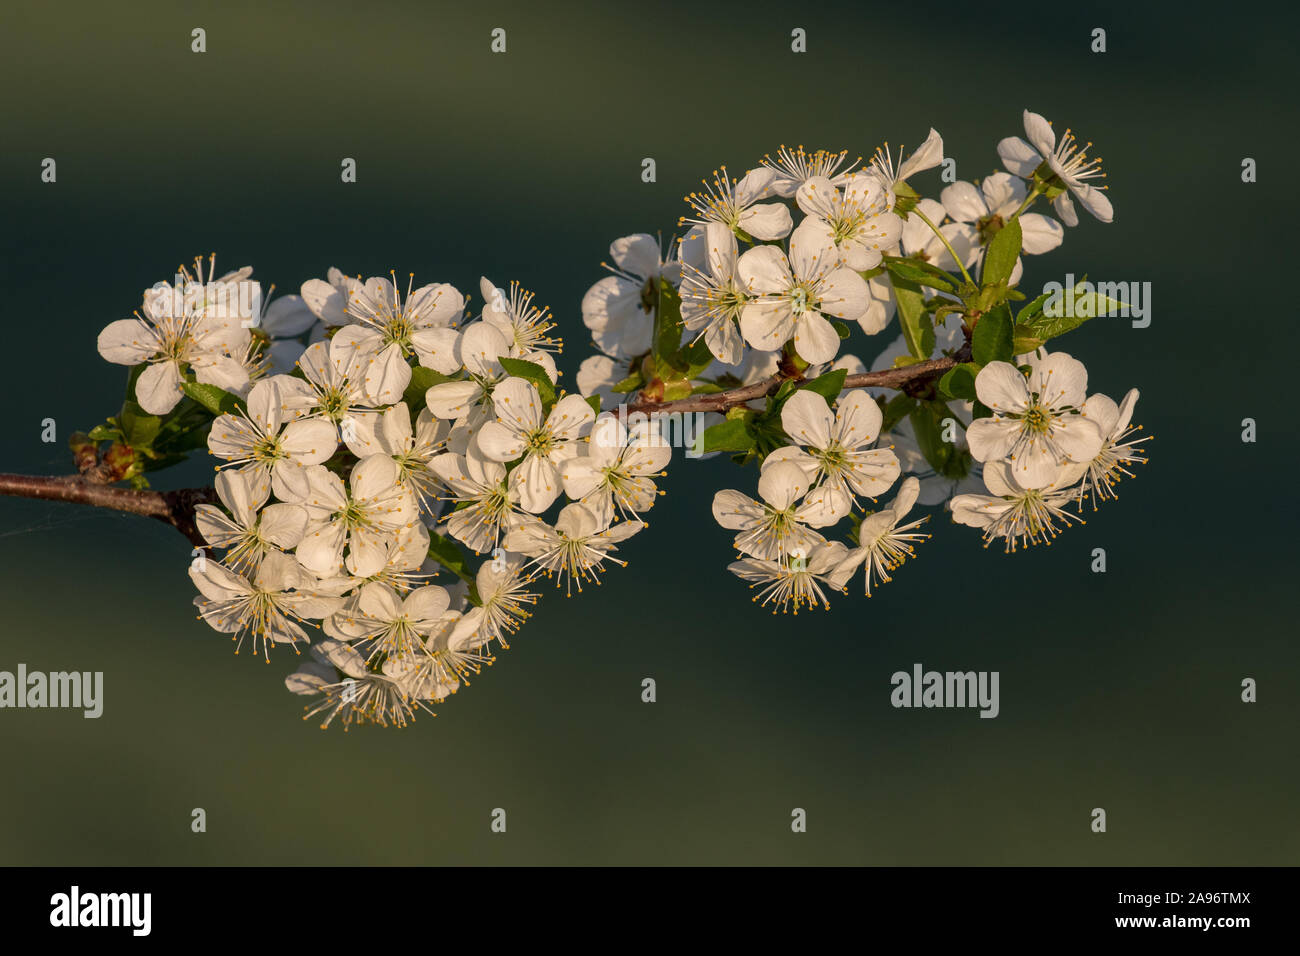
[(1048, 444), (770, 269), (812, 484), (365, 442), (371, 437)]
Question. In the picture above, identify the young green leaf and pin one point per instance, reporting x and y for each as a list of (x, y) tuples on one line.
[(216, 400), (1000, 258), (629, 384), (921, 273), (917, 326), (828, 386), (959, 381), (927, 425), (533, 373), (139, 428), (731, 435), (668, 328), (445, 551), (1034, 308), (896, 409), (1023, 342), (422, 379), (992, 340)]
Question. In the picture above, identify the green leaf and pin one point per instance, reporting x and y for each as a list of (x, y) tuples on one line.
[(629, 384), (927, 424), (594, 402), (668, 328), (697, 357), (783, 391), (1023, 342), (730, 435), (445, 550), (921, 273), (533, 373), (1034, 308), (216, 400), (917, 326), (677, 388), (828, 386), (1000, 258), (959, 381), (104, 432), (1068, 313), (992, 339), (841, 329), (139, 428), (422, 379), (896, 409)]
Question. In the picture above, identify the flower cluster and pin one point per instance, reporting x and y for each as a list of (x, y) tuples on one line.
[(369, 438), (762, 286), (1047, 445)]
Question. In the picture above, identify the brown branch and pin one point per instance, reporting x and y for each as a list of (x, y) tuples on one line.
[(175, 508), (905, 378)]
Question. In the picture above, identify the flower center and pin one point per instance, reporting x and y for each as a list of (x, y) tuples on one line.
[(268, 450), (398, 332), (539, 442), (801, 299), (1037, 419), (334, 403), (834, 459), (352, 516)]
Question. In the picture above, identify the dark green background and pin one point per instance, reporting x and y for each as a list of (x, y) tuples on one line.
[(1118, 690)]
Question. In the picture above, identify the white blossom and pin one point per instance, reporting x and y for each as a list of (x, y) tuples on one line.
[(543, 444), (1038, 422), (261, 442), (1066, 160), (777, 526)]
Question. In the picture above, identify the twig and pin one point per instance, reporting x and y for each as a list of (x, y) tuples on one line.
[(904, 378), (175, 508)]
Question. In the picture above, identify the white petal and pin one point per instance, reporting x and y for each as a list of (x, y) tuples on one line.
[(807, 419), (964, 202), (1018, 156), (1002, 387), (815, 339), (127, 342), (1039, 133), (158, 388)]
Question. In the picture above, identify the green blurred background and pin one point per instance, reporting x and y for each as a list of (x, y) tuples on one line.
[(1118, 690)]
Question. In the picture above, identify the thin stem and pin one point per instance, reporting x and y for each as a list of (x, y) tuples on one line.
[(946, 244), (1029, 200)]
